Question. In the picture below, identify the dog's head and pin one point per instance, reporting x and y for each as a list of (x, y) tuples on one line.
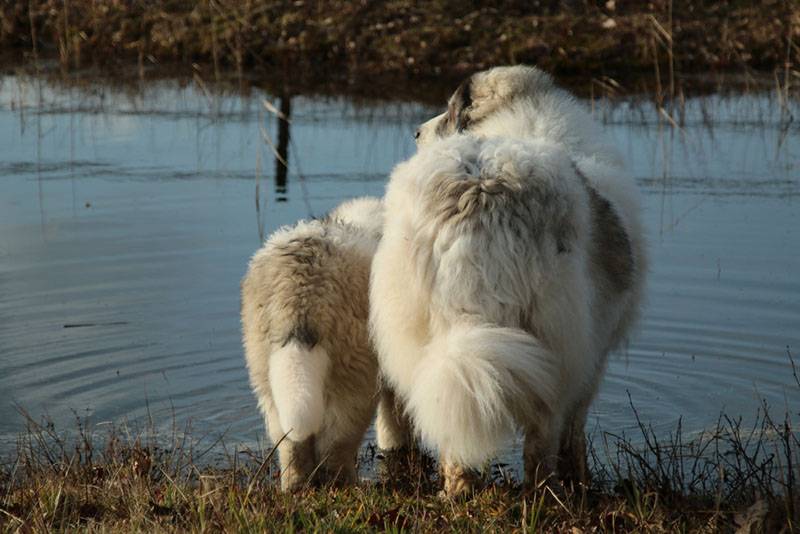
[(483, 95)]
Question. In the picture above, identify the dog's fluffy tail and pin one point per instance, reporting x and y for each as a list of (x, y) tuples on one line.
[(470, 385), (297, 380)]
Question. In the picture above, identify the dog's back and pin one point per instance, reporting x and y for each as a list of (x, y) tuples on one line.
[(497, 234)]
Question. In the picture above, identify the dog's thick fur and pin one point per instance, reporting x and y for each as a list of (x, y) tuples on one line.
[(512, 262), (304, 321)]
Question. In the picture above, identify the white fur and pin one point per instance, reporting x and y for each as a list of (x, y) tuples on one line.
[(365, 213), (311, 364), (466, 386), (297, 378), (488, 307), (447, 327)]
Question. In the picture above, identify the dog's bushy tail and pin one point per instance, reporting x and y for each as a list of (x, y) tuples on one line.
[(297, 380), (471, 383)]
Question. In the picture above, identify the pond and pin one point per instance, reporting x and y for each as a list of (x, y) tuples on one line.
[(127, 217)]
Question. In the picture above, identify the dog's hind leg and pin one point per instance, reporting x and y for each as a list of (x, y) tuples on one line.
[(572, 460), (297, 463), (540, 451), (459, 481), (338, 462), (392, 426), (297, 459)]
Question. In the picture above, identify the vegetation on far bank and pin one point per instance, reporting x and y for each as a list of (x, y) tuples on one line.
[(444, 39)]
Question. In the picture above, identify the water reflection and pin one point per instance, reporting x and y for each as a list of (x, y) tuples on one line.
[(282, 156), (131, 214)]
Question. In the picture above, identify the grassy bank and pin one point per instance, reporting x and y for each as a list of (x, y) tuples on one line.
[(304, 40), (734, 478)]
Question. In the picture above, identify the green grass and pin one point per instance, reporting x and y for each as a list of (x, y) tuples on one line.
[(109, 480)]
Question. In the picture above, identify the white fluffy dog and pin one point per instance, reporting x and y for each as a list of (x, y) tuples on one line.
[(512, 262), (304, 322)]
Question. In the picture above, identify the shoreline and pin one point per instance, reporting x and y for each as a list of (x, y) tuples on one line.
[(650, 48), (734, 478)]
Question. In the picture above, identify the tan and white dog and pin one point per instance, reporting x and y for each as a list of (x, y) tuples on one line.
[(512, 262), (304, 322)]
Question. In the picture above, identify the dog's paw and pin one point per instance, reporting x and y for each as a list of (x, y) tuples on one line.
[(459, 481)]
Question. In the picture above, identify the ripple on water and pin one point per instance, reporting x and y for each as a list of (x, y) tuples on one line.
[(135, 222)]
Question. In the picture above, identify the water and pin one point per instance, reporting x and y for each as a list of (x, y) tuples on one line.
[(127, 218)]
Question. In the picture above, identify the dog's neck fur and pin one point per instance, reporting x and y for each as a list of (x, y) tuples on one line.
[(552, 118)]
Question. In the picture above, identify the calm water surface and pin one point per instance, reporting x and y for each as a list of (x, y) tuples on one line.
[(127, 219)]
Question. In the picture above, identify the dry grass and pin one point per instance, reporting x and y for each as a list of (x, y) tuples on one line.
[(730, 479), (441, 38)]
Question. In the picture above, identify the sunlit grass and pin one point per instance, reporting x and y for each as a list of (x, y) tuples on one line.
[(104, 478)]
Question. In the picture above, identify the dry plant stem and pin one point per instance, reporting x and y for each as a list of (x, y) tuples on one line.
[(119, 479), (406, 39)]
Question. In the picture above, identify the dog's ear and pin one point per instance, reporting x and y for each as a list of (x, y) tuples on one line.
[(458, 107)]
